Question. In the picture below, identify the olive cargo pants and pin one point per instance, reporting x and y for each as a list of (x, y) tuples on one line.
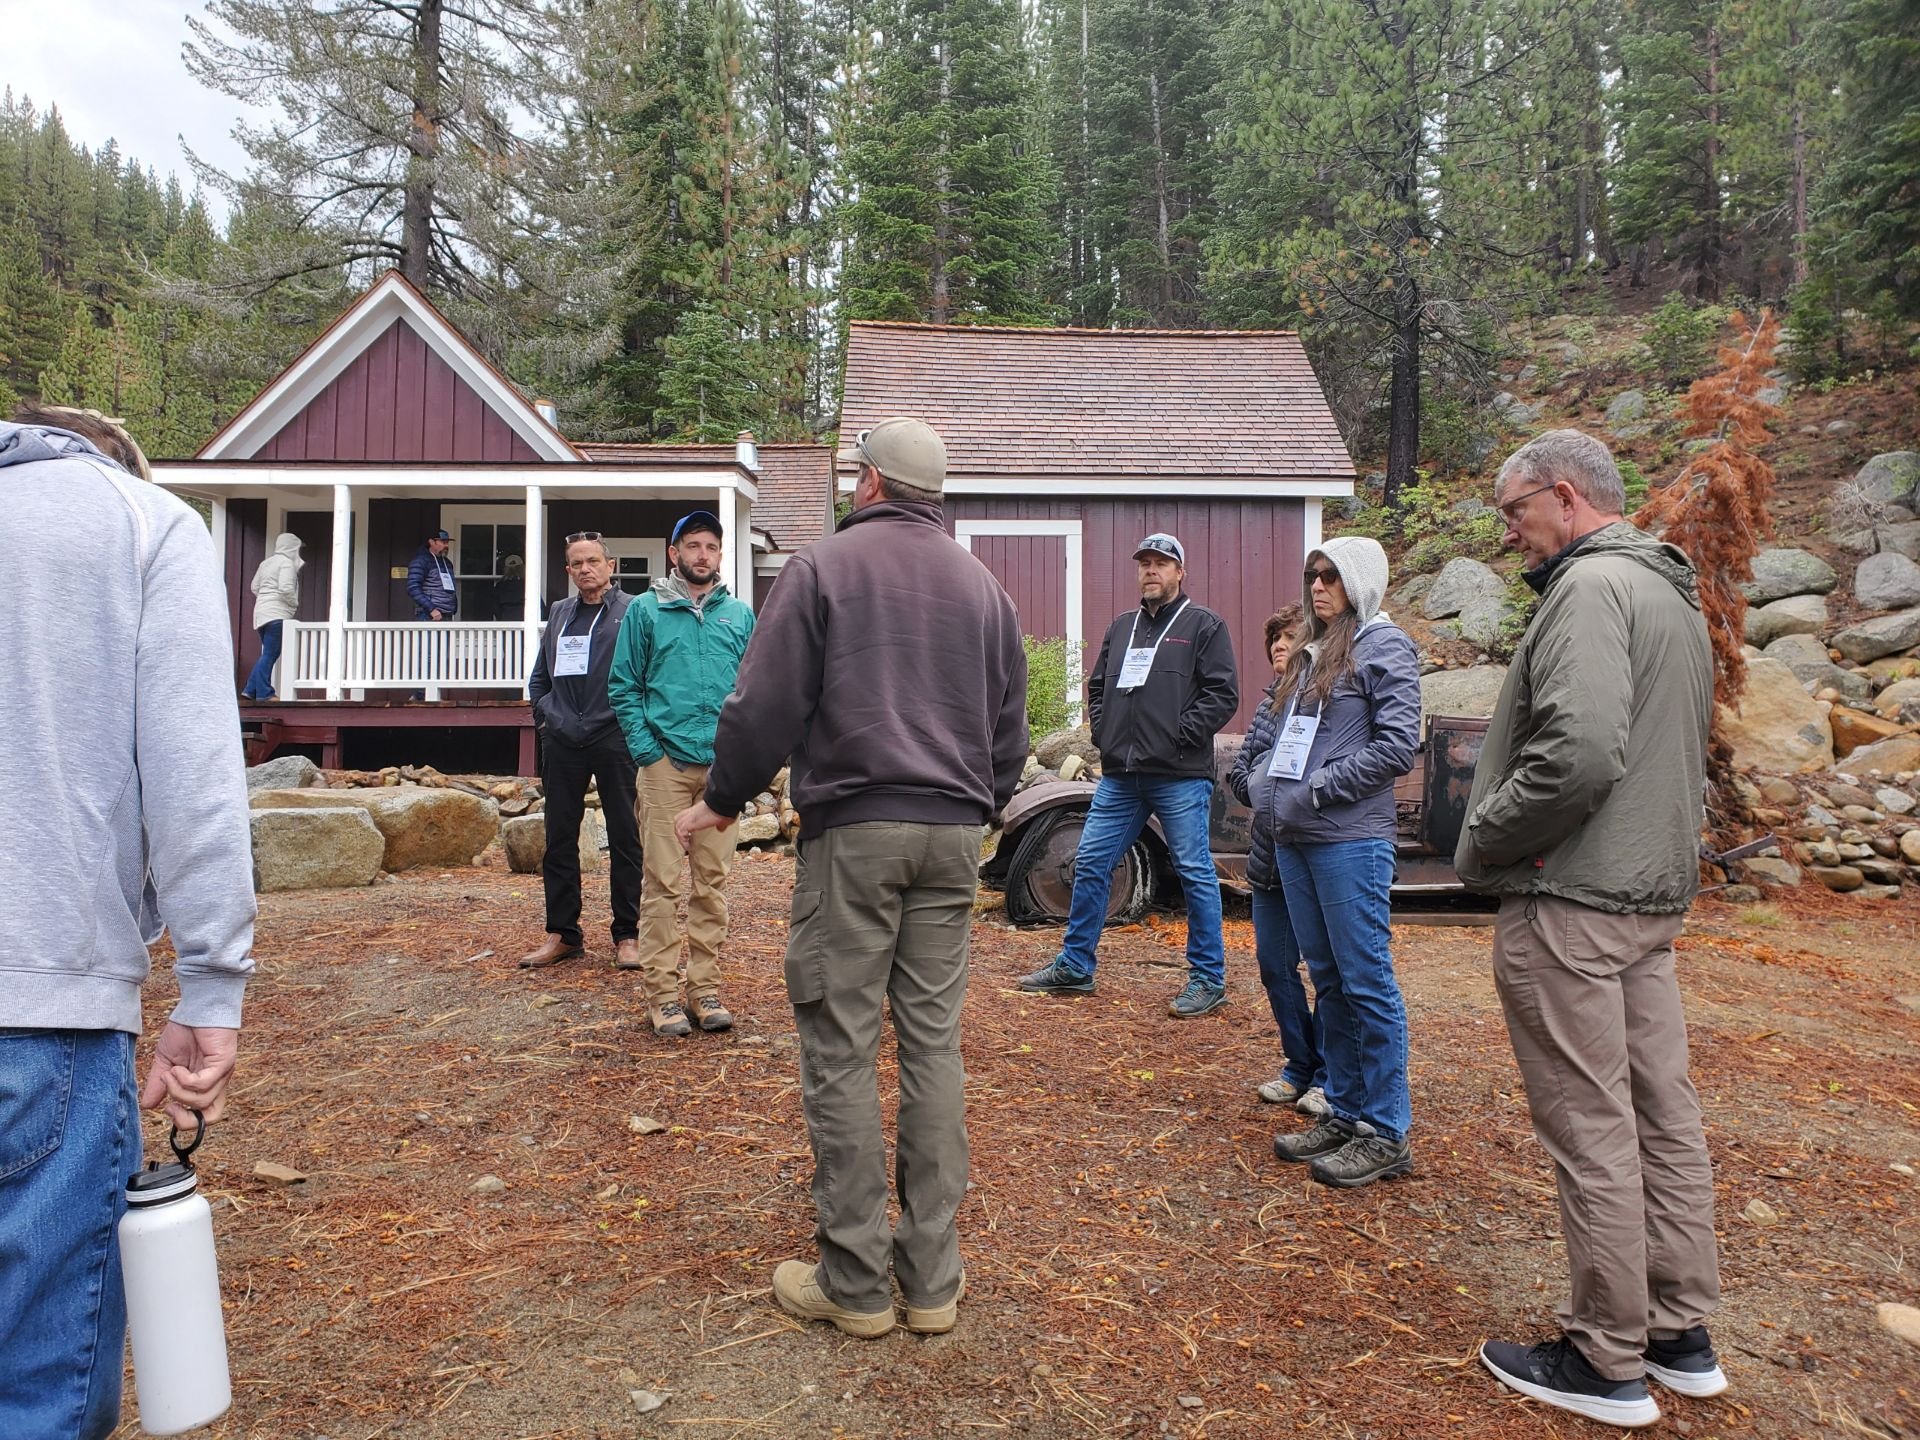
[(882, 913)]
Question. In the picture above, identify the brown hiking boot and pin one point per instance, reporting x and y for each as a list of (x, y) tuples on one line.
[(626, 954), (711, 1014), (551, 951), (796, 1285), (670, 1019)]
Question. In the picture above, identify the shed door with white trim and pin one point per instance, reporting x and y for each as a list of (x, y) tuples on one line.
[(1032, 569)]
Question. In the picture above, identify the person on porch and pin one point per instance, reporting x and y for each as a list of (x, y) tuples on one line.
[(678, 655), (430, 580), (276, 592), (581, 743)]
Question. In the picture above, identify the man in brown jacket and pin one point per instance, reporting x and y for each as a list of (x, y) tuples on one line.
[(1585, 819), (888, 664)]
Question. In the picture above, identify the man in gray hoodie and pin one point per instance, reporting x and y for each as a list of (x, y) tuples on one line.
[(1585, 820), (123, 810)]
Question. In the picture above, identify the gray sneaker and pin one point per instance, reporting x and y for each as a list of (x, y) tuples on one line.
[(1363, 1160), (1199, 998), (1054, 978), (1323, 1139), (1313, 1103)]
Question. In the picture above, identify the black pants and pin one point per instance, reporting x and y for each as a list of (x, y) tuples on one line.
[(564, 772)]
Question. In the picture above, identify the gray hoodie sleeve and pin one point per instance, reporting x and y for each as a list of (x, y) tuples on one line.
[(193, 790)]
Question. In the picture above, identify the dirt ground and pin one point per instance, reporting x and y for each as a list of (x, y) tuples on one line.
[(1138, 1263)]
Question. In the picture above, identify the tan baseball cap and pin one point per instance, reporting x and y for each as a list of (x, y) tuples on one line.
[(902, 449)]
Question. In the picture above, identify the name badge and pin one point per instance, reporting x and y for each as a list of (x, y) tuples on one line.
[(574, 654), (1133, 669), (1290, 751)]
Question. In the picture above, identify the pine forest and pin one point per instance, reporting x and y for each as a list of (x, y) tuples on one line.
[(662, 213)]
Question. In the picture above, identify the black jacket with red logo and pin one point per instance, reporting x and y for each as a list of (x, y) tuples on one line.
[(1167, 725)]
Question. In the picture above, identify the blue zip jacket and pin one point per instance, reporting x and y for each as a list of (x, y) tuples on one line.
[(1369, 733)]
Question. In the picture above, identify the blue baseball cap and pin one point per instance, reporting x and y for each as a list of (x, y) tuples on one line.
[(1160, 543), (698, 520)]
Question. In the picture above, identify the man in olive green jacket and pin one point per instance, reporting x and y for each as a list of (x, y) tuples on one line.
[(1585, 819), (679, 651)]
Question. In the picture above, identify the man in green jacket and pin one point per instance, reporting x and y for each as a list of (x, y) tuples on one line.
[(1585, 819), (679, 650)]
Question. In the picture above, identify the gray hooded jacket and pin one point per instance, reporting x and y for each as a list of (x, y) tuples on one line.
[(1591, 785), (1368, 735), (276, 584), (123, 803)]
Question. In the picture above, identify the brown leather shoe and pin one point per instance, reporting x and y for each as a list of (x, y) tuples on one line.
[(551, 952), (626, 954), (711, 1014)]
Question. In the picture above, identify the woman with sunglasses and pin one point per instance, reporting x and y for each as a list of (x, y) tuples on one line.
[(1343, 725)]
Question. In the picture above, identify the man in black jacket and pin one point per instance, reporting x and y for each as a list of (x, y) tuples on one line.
[(581, 741), (888, 664), (1163, 687)]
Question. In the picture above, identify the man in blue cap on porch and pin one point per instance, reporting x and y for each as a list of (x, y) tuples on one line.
[(1163, 687), (430, 582)]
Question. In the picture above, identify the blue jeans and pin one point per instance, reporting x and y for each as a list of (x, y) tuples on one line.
[(259, 684), (1337, 905), (69, 1138), (1279, 955), (1121, 806)]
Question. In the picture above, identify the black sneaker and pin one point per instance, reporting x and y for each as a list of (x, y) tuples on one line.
[(1686, 1364), (1323, 1139), (1363, 1160), (1556, 1373), (1054, 978)]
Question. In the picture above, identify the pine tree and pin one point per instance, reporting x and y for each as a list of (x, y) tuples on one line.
[(1868, 204), (950, 188), (409, 131), (1400, 118)]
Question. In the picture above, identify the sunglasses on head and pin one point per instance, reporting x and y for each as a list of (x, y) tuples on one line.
[(1323, 574), (580, 535)]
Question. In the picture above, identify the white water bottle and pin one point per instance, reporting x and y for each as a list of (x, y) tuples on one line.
[(174, 1322)]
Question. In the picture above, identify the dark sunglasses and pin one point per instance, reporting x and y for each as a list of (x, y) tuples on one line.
[(1325, 575), (580, 535)]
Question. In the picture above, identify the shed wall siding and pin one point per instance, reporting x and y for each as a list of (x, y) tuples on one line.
[(397, 401), (246, 548), (1244, 559)]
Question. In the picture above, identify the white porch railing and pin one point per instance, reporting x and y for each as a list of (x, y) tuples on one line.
[(407, 655)]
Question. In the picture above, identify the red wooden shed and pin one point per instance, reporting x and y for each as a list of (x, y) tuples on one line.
[(391, 426), (1066, 447)]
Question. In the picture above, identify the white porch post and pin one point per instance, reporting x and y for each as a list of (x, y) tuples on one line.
[(737, 557), (337, 597), (536, 577)]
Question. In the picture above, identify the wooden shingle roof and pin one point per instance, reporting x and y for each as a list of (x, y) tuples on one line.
[(795, 481), (1019, 401)]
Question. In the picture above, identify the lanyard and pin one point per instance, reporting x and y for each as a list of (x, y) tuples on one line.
[(1134, 632), (592, 625)]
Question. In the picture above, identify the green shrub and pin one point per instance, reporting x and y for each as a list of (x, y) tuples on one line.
[(1450, 432), (1049, 664), (1815, 330), (1679, 339), (1635, 482)]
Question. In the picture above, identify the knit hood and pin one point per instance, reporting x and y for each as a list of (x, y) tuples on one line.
[(1363, 570)]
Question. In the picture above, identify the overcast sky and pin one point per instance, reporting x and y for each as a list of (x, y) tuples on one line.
[(113, 68)]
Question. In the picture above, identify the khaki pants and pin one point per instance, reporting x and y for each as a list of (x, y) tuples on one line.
[(664, 793), (882, 914), (1594, 1012)]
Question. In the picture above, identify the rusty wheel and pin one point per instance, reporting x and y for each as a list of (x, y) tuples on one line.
[(1040, 879)]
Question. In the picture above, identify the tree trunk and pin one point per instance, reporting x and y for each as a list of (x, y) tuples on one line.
[(1163, 229), (1403, 400), (423, 143), (1799, 270), (1711, 256), (940, 301)]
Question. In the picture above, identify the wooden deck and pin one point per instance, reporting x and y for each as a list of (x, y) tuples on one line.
[(324, 722)]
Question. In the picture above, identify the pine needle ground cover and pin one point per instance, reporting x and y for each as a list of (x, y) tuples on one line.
[(1137, 1262)]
